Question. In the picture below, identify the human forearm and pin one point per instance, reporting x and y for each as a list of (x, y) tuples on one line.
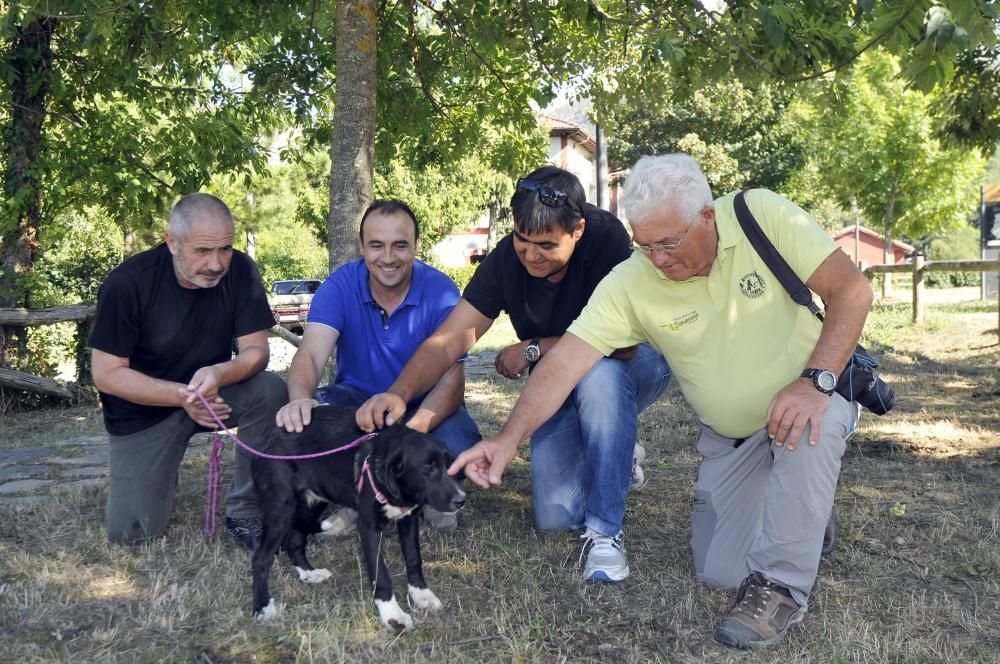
[(303, 378), (549, 385), (426, 367), (441, 401), (131, 385), (248, 362), (552, 380)]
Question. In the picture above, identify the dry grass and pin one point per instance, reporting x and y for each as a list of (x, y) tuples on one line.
[(915, 576)]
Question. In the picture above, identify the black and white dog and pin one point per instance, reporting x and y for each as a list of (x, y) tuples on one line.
[(387, 478)]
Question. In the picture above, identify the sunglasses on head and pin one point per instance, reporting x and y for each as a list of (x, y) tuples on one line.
[(546, 194)]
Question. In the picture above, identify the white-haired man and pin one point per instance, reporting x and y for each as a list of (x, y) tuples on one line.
[(164, 330), (745, 356)]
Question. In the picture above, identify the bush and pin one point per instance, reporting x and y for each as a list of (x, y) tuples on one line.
[(960, 244), (75, 258), (290, 251), (460, 275)]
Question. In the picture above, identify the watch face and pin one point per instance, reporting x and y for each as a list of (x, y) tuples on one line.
[(531, 353), (826, 381)]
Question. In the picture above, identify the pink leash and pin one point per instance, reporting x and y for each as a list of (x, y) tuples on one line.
[(215, 462)]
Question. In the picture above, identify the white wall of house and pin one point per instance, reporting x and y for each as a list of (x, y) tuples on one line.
[(577, 160), (455, 250), (564, 152)]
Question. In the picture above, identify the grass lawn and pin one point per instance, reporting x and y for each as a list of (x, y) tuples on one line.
[(915, 576)]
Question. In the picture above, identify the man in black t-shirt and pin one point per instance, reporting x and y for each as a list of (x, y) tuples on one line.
[(542, 275), (164, 330)]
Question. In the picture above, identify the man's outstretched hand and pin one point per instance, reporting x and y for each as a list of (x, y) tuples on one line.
[(485, 461)]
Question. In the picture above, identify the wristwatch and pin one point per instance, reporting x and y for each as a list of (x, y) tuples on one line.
[(532, 352), (823, 380)]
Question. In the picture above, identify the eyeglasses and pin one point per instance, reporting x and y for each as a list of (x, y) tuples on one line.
[(664, 247), (547, 195)]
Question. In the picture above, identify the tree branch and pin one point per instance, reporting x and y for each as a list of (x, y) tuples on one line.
[(713, 18), (461, 36)]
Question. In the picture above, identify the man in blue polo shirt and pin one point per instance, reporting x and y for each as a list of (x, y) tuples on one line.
[(377, 311)]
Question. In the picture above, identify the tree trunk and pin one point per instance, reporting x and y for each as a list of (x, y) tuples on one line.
[(491, 234), (352, 155), (29, 66), (252, 245), (887, 253), (128, 244)]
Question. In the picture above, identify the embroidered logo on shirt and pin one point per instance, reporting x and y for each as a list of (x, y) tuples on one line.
[(681, 321), (752, 285)]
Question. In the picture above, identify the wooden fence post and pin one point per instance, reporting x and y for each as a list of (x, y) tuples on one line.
[(918, 288)]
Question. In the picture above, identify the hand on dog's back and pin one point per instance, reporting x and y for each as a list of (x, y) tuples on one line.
[(296, 415), (381, 410)]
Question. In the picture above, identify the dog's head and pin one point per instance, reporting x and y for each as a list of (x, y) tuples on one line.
[(414, 470)]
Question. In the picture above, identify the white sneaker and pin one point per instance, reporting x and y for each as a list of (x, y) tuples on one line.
[(341, 522), (606, 561), (638, 477)]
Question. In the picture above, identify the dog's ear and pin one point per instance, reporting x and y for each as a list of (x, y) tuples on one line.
[(392, 466)]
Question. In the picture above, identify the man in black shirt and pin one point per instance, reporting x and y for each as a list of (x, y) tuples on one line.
[(542, 274), (164, 330)]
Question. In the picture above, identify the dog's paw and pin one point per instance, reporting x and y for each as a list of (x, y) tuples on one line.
[(271, 611), (424, 598), (393, 616), (313, 575)]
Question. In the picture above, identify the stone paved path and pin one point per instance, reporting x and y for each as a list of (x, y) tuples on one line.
[(31, 475)]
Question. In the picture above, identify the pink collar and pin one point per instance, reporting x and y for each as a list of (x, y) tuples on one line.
[(366, 469)]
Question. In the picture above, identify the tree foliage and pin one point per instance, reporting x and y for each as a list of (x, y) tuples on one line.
[(737, 135), (444, 198), (119, 107), (874, 141)]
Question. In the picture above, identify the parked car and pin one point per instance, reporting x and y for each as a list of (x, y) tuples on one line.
[(290, 300)]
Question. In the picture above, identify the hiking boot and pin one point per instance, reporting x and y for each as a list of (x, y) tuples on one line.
[(638, 477), (443, 522), (829, 535), (606, 561), (340, 522), (245, 531), (761, 615)]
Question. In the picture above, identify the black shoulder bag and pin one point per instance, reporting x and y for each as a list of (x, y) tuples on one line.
[(860, 380)]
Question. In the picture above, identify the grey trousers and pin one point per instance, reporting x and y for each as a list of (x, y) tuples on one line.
[(761, 508), (145, 465)]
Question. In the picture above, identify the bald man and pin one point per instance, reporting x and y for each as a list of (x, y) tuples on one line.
[(164, 331)]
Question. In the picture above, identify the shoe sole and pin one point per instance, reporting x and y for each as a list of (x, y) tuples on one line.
[(600, 576), (734, 642)]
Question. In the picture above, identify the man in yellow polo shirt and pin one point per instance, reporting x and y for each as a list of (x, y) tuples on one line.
[(752, 363)]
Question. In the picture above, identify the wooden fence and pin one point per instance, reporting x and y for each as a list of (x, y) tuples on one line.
[(73, 313), (918, 267)]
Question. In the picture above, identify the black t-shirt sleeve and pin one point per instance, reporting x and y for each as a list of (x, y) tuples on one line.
[(253, 313), (485, 290), (118, 320)]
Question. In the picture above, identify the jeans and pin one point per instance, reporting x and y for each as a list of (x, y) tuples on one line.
[(581, 458), (458, 431)]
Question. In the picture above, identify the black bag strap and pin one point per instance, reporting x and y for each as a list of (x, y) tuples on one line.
[(775, 262)]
